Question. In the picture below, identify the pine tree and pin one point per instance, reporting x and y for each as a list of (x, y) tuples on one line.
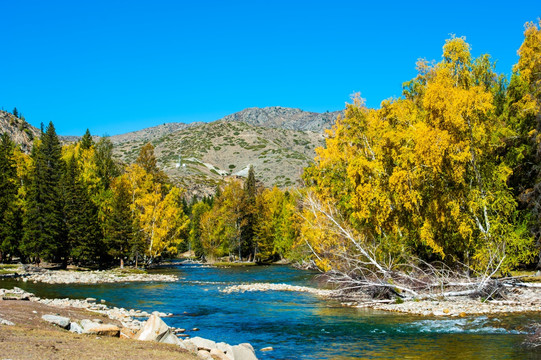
[(120, 232), (107, 168), (10, 225), (249, 216), (86, 141), (15, 112), (43, 222), (83, 233)]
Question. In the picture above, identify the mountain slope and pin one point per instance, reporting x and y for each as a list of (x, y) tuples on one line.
[(209, 152), (19, 130)]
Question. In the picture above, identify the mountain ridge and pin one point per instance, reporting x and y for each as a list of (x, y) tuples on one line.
[(279, 142)]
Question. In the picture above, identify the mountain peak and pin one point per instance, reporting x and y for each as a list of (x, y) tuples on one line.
[(286, 118)]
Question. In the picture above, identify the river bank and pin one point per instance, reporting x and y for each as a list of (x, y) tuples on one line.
[(517, 300), (76, 313)]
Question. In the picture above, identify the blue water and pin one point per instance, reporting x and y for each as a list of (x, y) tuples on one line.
[(300, 325)]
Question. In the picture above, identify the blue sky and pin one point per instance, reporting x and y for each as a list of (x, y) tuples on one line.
[(118, 66)]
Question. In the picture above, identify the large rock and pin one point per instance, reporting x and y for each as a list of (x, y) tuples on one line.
[(128, 333), (190, 346), (93, 328), (60, 321), (203, 344), (226, 348), (76, 328), (218, 354), (242, 352), (170, 338), (153, 329)]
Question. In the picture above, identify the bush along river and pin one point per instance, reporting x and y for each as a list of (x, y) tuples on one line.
[(301, 325)]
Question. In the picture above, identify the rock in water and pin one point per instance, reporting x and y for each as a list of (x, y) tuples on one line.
[(153, 329), (60, 321)]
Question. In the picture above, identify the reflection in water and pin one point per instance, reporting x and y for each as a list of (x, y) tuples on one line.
[(299, 325)]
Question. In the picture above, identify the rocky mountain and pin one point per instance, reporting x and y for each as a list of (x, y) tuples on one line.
[(200, 157), (279, 142), (19, 130), (285, 118)]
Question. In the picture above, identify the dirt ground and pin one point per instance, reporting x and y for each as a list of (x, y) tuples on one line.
[(33, 338)]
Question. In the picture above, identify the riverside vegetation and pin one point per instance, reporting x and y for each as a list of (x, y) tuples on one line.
[(434, 194)]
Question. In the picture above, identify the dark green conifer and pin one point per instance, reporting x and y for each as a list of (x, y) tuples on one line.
[(107, 168), (86, 141), (10, 222), (249, 215), (83, 233), (43, 221), (120, 231)]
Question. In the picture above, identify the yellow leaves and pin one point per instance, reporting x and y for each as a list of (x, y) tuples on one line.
[(401, 185), (529, 63), (427, 237), (157, 209)]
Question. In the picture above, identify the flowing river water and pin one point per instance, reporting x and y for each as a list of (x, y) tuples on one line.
[(301, 325)]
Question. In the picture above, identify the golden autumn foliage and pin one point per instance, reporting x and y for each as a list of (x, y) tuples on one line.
[(422, 174), (157, 210)]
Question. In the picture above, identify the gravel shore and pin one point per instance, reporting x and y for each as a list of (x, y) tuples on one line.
[(93, 277), (517, 299)]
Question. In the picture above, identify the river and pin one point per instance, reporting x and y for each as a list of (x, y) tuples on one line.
[(300, 325)]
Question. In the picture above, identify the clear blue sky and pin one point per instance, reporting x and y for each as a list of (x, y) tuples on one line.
[(119, 66)]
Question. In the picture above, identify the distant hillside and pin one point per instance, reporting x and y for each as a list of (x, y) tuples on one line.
[(150, 134), (285, 118), (21, 132), (208, 152), (279, 142)]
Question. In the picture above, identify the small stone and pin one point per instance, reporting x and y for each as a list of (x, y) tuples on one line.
[(195, 329), (90, 300), (446, 311), (462, 314), (102, 301), (268, 348)]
